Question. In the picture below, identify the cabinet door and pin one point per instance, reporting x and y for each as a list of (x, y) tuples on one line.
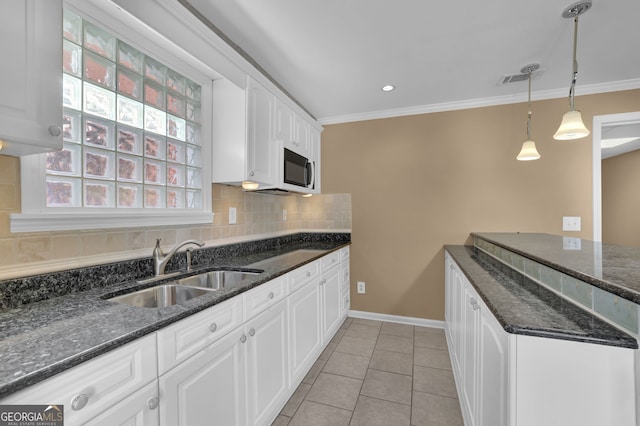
[(469, 364), (304, 330), (31, 76), (267, 364), (456, 326), (331, 302), (139, 409), (492, 390), (261, 154), (300, 140), (282, 123), (208, 388)]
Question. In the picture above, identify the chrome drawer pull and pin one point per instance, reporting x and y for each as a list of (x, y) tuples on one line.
[(213, 327), (152, 403), (79, 401)]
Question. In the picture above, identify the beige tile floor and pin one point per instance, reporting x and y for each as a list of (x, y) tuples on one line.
[(378, 373)]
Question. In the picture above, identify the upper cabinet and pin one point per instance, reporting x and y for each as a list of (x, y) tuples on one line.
[(242, 124), (31, 76), (251, 128)]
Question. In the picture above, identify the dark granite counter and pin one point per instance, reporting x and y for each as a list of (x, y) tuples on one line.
[(43, 338), (613, 268), (523, 306)]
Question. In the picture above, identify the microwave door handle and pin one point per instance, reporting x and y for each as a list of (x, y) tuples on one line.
[(311, 174)]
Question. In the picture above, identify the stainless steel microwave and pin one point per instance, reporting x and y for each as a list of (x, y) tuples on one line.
[(299, 170)]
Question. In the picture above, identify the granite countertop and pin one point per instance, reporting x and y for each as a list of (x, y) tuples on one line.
[(39, 340), (522, 306), (610, 267)]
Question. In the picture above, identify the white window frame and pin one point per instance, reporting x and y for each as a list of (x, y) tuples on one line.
[(36, 216)]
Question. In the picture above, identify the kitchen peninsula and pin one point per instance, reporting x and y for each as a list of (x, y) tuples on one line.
[(543, 329)]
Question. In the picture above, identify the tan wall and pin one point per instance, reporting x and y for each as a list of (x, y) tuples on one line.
[(257, 214), (419, 182), (621, 199)]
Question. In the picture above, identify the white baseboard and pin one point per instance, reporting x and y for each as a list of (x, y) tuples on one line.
[(422, 322)]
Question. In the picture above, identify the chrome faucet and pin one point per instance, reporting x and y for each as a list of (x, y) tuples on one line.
[(160, 260)]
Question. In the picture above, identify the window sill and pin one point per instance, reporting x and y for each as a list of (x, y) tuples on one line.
[(37, 222)]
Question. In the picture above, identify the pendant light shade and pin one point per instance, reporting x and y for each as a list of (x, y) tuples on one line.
[(529, 151), (572, 126)]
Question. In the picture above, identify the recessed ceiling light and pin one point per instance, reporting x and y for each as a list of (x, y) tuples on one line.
[(388, 88)]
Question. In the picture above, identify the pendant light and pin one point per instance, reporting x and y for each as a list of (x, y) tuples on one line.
[(529, 151), (572, 126)]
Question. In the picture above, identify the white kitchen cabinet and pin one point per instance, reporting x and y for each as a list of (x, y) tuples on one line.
[(331, 296), (31, 76), (283, 119), (97, 385), (139, 409), (300, 136), (469, 357), (267, 364), (209, 387), (305, 340), (493, 374), (241, 149), (262, 155), (181, 340), (518, 380)]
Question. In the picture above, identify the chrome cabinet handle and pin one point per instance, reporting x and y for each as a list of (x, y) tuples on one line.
[(308, 274), (213, 327), (55, 130), (79, 401), (243, 338), (474, 303), (271, 295), (152, 403), (252, 332), (251, 173)]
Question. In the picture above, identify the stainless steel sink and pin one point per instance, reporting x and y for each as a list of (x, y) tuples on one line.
[(160, 296), (217, 280)]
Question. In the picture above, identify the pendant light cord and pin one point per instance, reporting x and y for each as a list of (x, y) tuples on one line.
[(529, 106), (575, 64)]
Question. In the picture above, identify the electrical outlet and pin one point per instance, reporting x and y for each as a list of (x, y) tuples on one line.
[(571, 223), (284, 214), (232, 216), (361, 287)]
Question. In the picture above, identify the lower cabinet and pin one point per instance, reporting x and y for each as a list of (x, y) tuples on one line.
[(123, 381), (139, 409), (267, 364), (517, 380), (331, 295), (305, 340), (235, 363)]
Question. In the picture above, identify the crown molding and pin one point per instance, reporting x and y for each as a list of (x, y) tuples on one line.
[(591, 89)]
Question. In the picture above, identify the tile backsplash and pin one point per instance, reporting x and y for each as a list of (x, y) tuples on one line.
[(257, 214)]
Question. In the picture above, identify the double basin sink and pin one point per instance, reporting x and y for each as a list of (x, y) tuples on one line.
[(184, 289)]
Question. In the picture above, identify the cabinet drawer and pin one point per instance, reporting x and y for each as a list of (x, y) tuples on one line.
[(139, 409), (188, 336), (330, 260), (302, 275), (263, 296), (344, 253), (96, 385)]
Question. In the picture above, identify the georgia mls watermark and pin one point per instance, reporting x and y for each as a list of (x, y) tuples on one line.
[(31, 415)]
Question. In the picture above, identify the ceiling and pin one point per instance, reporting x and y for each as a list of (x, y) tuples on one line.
[(333, 56)]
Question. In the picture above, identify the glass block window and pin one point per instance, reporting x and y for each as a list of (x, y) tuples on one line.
[(131, 128)]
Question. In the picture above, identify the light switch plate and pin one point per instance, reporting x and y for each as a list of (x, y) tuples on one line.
[(571, 223)]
